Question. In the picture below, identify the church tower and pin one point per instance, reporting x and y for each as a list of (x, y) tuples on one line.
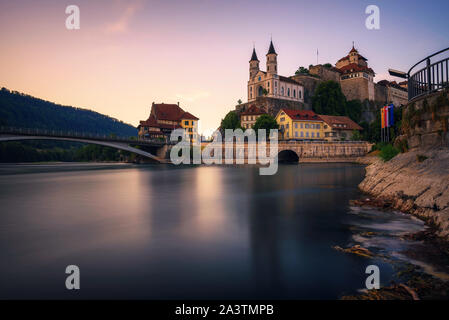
[(272, 63), (253, 65)]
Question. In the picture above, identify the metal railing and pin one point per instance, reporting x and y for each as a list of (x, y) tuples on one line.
[(77, 135), (433, 77)]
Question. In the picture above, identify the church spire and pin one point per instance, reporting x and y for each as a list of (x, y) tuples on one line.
[(271, 49), (254, 56)]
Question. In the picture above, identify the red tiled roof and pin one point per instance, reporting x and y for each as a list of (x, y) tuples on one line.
[(354, 67), (188, 115), (345, 122), (151, 122), (302, 115), (253, 110), (172, 112), (167, 111)]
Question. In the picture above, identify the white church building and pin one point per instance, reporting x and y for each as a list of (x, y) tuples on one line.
[(269, 83)]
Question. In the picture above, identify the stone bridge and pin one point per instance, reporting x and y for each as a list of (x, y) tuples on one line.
[(308, 151)]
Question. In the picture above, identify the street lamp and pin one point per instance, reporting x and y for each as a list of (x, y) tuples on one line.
[(396, 73)]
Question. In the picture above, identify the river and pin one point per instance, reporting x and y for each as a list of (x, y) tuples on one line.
[(166, 232)]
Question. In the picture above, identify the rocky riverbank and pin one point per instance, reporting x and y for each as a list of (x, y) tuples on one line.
[(416, 182)]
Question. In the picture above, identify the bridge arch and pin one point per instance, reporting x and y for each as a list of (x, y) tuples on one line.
[(288, 156), (116, 145)]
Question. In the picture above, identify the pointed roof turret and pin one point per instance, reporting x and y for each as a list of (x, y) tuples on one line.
[(271, 49), (254, 56)]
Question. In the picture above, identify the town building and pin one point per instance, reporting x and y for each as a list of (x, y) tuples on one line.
[(337, 128), (164, 118), (393, 92), (356, 77), (268, 90), (299, 124), (248, 118)]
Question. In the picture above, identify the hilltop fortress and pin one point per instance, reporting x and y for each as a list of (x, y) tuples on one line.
[(271, 92)]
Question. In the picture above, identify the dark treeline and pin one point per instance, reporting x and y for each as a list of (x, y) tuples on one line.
[(24, 111)]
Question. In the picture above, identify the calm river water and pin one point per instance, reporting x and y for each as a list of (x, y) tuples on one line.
[(163, 232)]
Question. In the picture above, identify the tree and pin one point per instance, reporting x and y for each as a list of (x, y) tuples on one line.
[(356, 135), (354, 110), (264, 91), (327, 65), (266, 122), (329, 99), (302, 70), (230, 121)]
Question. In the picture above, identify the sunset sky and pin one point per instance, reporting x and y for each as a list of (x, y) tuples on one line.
[(128, 54)]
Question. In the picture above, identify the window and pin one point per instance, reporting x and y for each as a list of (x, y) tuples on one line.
[(307, 134), (302, 125), (282, 91), (296, 134), (294, 93), (313, 134), (186, 123), (317, 134), (318, 126), (275, 84), (288, 92), (307, 126), (268, 83), (287, 134), (302, 134), (260, 78), (287, 125), (299, 94), (282, 119), (296, 125)]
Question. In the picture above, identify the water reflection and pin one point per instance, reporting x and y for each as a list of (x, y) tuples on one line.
[(180, 232)]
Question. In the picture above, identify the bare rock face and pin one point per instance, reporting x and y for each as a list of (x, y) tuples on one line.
[(416, 182)]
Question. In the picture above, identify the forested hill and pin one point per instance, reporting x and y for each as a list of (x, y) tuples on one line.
[(24, 111)]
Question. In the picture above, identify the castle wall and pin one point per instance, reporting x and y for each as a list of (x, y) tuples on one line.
[(326, 74), (272, 105)]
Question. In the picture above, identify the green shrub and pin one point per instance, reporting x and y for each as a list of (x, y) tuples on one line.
[(388, 152)]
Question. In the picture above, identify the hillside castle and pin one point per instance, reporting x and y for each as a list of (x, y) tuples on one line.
[(271, 92)]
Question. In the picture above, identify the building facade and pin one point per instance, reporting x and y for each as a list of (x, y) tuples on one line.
[(249, 117), (338, 128), (299, 124), (356, 77), (269, 83), (393, 93), (164, 118)]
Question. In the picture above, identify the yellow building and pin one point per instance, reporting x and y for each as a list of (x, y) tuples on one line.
[(299, 124)]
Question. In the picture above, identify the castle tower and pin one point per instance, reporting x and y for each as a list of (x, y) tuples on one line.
[(272, 64), (253, 65), (353, 55)]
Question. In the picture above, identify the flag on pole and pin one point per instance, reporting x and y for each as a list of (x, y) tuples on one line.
[(386, 116), (391, 116), (382, 117)]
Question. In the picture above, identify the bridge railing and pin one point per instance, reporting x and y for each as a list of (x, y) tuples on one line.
[(76, 134), (432, 77)]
